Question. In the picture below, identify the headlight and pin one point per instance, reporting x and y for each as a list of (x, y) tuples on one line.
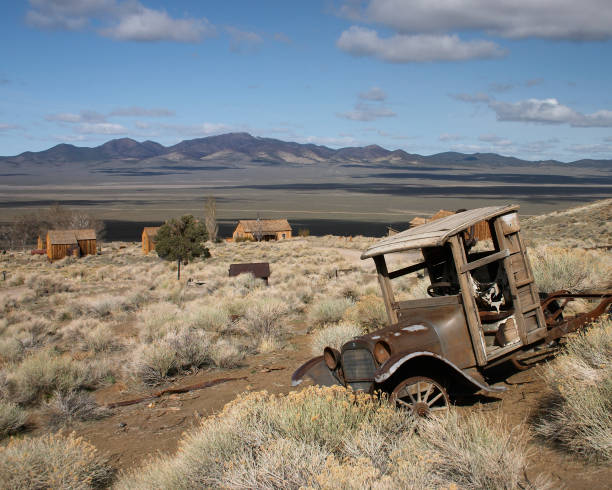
[(331, 357), (382, 352)]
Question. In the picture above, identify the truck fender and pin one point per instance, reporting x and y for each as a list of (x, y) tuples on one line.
[(384, 372), (317, 371)]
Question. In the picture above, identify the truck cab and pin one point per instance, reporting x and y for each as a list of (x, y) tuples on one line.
[(483, 309)]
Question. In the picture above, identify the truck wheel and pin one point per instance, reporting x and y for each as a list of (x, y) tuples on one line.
[(421, 395)]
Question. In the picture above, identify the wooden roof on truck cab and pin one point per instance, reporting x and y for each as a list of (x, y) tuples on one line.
[(434, 233)]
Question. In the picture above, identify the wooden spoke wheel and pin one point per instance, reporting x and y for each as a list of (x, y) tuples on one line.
[(420, 395)]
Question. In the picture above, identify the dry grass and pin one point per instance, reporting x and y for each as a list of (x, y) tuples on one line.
[(12, 418), (557, 268), (334, 336), (317, 437), (53, 461), (577, 411)]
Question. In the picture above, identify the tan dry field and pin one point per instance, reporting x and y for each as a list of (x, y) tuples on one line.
[(119, 326)]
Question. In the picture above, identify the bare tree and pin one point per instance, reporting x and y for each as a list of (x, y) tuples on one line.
[(210, 218), (24, 229), (258, 230)]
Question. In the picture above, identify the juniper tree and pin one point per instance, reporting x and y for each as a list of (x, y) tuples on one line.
[(181, 239)]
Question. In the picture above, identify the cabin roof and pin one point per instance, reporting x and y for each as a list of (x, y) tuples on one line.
[(434, 233), (151, 230), (265, 225), (70, 237), (62, 237), (85, 234)]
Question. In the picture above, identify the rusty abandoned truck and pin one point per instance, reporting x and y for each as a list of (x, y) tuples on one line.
[(484, 309)]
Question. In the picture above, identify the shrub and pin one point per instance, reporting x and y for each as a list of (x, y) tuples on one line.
[(53, 461), (318, 437), (576, 413), (12, 418), (44, 372), (64, 408), (558, 268), (226, 353), (334, 336), (264, 318), (11, 350), (154, 362), (328, 310), (369, 313)]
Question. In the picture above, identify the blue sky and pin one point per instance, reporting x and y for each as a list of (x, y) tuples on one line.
[(526, 78)]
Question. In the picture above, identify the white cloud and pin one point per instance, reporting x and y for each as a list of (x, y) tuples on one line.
[(543, 111), (243, 40), (515, 19), (66, 14), (367, 112), (137, 111), (403, 48), (126, 21), (374, 93), (450, 137), (7, 126), (494, 140), (144, 24), (500, 87), (548, 111), (478, 97), (540, 146), (593, 148), (101, 128), (83, 116)]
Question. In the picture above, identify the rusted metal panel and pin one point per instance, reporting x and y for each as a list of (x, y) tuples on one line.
[(261, 270)]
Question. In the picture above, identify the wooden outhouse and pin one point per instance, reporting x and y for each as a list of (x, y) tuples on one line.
[(262, 229), (87, 241), (62, 243), (148, 238)]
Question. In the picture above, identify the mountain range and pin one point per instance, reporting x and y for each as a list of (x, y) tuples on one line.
[(242, 148)]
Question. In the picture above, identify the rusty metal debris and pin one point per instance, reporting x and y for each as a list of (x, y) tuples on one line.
[(183, 389), (484, 309)]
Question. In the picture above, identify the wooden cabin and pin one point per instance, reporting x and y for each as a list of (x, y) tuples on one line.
[(260, 270), (40, 244), (62, 243), (87, 241), (262, 229), (442, 213), (148, 238)]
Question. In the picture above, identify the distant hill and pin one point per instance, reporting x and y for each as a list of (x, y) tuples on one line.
[(244, 148)]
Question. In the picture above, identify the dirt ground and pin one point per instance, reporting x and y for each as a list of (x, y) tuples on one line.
[(135, 433)]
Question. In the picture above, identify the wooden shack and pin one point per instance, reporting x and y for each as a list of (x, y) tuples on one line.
[(260, 270), (86, 239), (148, 238), (262, 229), (40, 244), (62, 243)]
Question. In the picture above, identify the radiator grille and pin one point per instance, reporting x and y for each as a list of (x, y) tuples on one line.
[(358, 366)]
